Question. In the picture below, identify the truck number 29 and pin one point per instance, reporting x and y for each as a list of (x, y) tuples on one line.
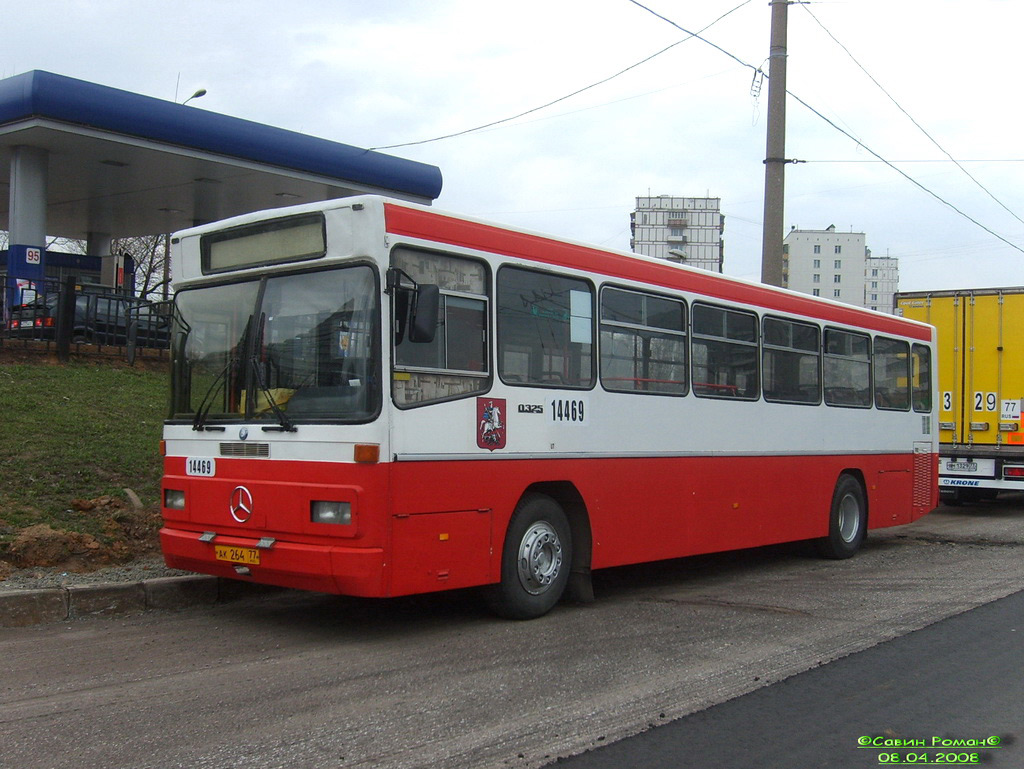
[(985, 401)]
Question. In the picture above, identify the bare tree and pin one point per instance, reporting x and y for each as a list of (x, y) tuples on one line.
[(66, 245), (152, 266), (149, 252)]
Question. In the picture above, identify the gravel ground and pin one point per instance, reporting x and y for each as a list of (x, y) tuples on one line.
[(145, 567)]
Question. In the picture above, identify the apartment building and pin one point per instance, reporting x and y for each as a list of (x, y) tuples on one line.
[(838, 265), (881, 282), (684, 230)]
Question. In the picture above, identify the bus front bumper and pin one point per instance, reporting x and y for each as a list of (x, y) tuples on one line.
[(356, 571)]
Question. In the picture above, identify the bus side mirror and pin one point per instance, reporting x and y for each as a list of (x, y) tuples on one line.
[(423, 316), (416, 307)]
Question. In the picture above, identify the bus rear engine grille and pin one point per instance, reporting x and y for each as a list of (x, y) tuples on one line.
[(240, 449)]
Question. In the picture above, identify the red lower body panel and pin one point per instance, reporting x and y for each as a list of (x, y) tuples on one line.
[(426, 526)]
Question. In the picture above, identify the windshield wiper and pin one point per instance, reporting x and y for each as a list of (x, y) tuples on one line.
[(200, 420), (199, 423), (283, 420)]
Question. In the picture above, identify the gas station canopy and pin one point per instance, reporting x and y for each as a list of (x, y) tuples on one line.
[(124, 164)]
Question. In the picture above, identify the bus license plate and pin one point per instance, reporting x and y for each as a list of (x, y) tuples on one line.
[(237, 554)]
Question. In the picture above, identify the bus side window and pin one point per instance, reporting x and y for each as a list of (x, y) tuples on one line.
[(847, 369), (892, 374), (791, 362), (724, 347), (921, 358), (455, 363), (545, 329), (643, 343)]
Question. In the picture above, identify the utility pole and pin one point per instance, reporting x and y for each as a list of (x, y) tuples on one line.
[(775, 154)]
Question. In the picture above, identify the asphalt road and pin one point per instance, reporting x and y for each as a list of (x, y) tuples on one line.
[(303, 680), (951, 693)]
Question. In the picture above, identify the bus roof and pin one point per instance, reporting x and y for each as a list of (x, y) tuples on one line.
[(442, 227), (424, 223)]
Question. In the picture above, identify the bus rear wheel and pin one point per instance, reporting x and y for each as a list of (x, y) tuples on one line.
[(535, 560), (848, 520)]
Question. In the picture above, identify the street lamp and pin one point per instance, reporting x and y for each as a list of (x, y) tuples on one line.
[(196, 95)]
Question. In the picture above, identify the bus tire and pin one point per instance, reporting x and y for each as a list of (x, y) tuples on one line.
[(536, 560), (847, 521)]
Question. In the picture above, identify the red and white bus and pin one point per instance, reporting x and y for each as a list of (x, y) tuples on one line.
[(374, 398)]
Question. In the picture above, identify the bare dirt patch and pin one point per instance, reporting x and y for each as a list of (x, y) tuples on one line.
[(128, 533)]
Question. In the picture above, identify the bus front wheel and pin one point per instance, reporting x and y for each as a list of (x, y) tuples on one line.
[(535, 560), (848, 520)]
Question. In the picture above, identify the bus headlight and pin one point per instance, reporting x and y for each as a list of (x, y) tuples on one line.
[(331, 512), (174, 499)]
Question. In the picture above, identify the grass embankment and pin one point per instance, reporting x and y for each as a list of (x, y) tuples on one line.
[(76, 432)]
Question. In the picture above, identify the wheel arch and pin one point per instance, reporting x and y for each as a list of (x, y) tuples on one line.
[(858, 475), (846, 532), (571, 501)]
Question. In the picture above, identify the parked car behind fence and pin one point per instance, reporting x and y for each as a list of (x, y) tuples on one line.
[(101, 317)]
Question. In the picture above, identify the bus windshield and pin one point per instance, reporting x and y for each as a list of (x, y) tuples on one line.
[(282, 349)]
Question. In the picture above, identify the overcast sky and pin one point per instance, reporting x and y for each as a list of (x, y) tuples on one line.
[(373, 73)]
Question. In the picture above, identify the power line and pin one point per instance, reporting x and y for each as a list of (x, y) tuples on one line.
[(690, 35), (843, 132), (697, 34), (910, 117), (923, 160), (756, 70), (907, 176)]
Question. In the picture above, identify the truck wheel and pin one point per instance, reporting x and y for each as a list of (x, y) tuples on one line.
[(535, 560), (968, 496), (954, 498), (847, 522)]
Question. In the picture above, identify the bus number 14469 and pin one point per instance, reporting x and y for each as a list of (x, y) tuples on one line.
[(571, 410)]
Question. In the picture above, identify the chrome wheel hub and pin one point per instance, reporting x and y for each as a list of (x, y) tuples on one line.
[(540, 558), (849, 518)]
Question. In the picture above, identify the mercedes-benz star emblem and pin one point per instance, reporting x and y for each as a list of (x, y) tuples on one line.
[(241, 504), (243, 433)]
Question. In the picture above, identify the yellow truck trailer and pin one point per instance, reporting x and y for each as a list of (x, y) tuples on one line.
[(980, 366)]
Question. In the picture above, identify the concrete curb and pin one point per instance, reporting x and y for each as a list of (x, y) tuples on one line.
[(23, 608)]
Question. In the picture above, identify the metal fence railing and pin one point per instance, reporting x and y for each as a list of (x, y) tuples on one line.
[(55, 313)]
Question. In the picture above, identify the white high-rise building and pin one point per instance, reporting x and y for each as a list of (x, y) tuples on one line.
[(838, 265), (881, 282), (685, 230)]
